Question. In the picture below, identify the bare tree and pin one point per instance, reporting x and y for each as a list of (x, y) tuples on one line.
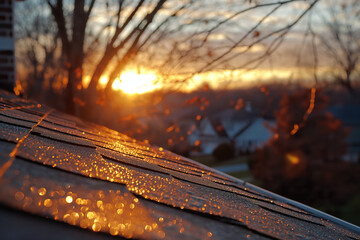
[(37, 45), (342, 39), (72, 42), (179, 38)]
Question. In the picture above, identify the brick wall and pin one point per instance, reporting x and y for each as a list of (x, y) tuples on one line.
[(7, 63)]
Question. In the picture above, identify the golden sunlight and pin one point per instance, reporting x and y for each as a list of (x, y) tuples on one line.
[(103, 80), (138, 81), (133, 82)]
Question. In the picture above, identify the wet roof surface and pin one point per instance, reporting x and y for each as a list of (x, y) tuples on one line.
[(72, 172)]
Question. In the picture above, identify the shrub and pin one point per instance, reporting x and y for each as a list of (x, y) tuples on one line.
[(224, 151)]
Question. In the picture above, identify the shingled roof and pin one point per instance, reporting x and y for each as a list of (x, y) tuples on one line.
[(60, 175)]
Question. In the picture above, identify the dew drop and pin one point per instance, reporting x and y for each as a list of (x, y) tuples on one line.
[(42, 191), (68, 199), (47, 202), (19, 196), (96, 227)]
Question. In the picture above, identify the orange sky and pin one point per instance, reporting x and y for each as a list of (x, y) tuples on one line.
[(134, 81)]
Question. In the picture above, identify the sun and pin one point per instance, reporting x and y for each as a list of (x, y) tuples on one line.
[(132, 82)]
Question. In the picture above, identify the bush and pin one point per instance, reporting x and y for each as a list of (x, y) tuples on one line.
[(224, 151), (306, 165)]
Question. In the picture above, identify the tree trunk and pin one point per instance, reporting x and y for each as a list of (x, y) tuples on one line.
[(118, 69), (347, 83), (69, 94), (76, 55), (92, 94), (100, 68)]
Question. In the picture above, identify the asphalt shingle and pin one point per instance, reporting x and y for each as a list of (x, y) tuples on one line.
[(56, 166)]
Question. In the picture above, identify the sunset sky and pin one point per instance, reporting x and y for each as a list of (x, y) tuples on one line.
[(283, 65), (291, 57)]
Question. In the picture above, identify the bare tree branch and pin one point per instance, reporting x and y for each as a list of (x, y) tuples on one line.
[(342, 45)]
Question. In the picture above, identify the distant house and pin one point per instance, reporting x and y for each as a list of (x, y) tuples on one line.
[(254, 135), (245, 129), (350, 117), (207, 135)]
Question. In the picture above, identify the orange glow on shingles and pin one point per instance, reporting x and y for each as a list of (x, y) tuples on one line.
[(118, 212), (294, 160)]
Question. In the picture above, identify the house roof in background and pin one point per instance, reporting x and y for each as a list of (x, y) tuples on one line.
[(235, 115), (256, 129), (354, 136), (61, 176), (348, 114), (218, 127)]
